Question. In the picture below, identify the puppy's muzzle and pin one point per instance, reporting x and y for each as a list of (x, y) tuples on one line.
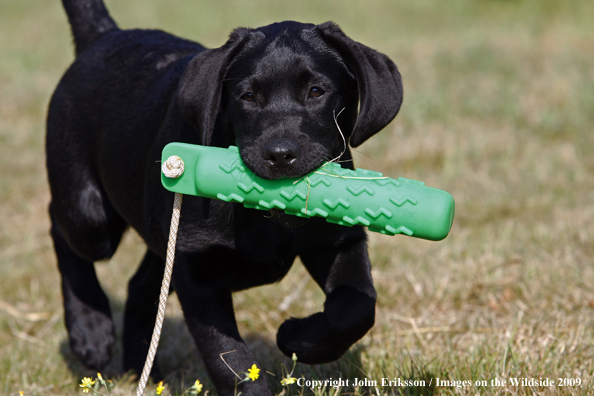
[(280, 154)]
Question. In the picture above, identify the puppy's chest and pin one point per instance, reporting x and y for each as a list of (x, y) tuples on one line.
[(265, 242), (256, 258)]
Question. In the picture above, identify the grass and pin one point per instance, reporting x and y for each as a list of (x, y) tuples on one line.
[(499, 99)]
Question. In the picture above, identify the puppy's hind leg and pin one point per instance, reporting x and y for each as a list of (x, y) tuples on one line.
[(80, 239), (86, 307)]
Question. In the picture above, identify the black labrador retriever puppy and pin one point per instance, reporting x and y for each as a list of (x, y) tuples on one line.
[(290, 96)]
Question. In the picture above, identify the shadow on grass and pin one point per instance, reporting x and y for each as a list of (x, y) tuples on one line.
[(181, 365), (177, 357)]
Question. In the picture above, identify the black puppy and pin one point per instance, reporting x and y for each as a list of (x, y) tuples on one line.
[(282, 93)]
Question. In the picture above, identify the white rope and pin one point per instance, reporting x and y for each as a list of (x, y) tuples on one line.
[(148, 365)]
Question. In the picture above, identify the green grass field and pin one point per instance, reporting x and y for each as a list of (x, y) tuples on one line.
[(498, 110)]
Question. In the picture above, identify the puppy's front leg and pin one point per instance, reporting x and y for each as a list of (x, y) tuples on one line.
[(208, 310), (343, 271)]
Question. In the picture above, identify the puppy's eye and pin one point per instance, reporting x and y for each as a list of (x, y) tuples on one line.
[(248, 97), (316, 92)]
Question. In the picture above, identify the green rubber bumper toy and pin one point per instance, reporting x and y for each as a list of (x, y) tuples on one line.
[(341, 196)]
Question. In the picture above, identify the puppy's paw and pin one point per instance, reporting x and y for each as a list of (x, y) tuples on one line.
[(309, 338), (326, 336), (91, 338)]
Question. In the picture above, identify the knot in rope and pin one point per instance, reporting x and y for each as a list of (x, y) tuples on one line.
[(173, 167)]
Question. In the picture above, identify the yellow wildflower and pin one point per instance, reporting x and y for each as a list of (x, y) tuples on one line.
[(160, 388), (196, 388), (254, 373), (87, 384), (99, 377), (288, 381)]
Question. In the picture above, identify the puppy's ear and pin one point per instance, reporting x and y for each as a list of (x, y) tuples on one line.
[(378, 82), (199, 90)]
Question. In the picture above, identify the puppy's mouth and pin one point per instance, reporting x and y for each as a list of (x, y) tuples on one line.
[(274, 162)]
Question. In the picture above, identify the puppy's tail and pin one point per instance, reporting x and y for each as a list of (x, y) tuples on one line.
[(89, 20)]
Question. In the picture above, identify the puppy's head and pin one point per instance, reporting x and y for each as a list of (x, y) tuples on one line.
[(290, 95)]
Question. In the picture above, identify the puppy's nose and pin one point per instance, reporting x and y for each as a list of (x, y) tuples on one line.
[(280, 153)]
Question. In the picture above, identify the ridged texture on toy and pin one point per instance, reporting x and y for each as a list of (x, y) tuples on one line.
[(342, 196)]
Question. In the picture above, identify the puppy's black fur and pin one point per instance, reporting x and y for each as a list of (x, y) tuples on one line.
[(279, 93)]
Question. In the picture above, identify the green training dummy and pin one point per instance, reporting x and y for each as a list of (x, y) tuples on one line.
[(342, 196)]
